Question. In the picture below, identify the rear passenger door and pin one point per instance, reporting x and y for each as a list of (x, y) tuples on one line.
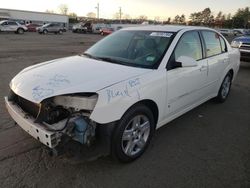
[(217, 56)]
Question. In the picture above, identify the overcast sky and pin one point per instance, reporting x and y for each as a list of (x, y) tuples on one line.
[(134, 8)]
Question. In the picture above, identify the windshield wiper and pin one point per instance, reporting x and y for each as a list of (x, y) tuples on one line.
[(108, 59), (111, 60), (90, 56)]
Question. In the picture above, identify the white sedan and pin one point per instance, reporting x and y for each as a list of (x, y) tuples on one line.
[(12, 26), (123, 88)]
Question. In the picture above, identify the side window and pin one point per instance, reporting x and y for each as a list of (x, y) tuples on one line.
[(5, 23), (212, 42), (189, 45), (223, 45), (12, 23)]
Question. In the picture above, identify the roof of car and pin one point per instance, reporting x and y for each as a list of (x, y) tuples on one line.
[(169, 28)]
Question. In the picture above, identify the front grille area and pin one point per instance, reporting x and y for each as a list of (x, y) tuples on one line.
[(26, 105), (245, 46)]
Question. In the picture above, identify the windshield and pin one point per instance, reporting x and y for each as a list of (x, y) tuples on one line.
[(247, 32), (132, 48), (46, 25)]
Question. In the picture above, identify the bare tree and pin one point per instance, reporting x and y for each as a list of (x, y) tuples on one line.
[(63, 9), (143, 17)]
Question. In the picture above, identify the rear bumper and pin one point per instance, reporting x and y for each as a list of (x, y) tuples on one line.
[(26, 122)]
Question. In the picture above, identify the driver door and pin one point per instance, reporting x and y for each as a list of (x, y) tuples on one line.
[(12, 26), (186, 85)]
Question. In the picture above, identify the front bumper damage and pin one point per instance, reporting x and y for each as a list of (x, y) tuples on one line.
[(36, 130), (79, 130)]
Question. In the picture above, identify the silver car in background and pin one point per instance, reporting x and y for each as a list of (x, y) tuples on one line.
[(56, 28), (12, 26)]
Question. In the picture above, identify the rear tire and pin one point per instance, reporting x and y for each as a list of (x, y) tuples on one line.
[(225, 88), (133, 134)]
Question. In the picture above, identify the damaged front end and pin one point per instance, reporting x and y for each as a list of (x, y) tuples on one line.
[(56, 118)]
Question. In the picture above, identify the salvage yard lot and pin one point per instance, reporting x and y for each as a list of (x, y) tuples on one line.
[(207, 147)]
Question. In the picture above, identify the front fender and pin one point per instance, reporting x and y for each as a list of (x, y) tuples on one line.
[(115, 100)]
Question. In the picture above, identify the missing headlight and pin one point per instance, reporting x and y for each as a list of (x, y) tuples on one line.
[(51, 114)]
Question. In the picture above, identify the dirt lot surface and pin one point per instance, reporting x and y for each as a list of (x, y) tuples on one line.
[(207, 147)]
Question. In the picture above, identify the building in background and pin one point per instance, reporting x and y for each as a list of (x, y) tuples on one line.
[(26, 17)]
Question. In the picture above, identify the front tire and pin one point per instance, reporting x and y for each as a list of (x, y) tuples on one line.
[(133, 134), (20, 31), (225, 88)]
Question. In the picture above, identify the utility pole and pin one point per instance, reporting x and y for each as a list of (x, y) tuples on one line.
[(120, 14), (97, 8)]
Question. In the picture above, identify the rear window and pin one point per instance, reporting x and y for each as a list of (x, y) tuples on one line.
[(223, 45), (212, 42)]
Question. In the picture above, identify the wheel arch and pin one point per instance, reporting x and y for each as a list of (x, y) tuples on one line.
[(231, 71), (226, 71), (151, 105)]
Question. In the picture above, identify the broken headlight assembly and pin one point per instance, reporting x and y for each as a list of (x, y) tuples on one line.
[(69, 115)]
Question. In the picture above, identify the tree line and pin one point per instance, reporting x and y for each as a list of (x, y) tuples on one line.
[(241, 19)]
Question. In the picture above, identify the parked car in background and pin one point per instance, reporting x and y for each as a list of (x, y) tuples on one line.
[(56, 28), (107, 30), (127, 85), (243, 43), (82, 28), (226, 32), (32, 27), (96, 29), (12, 26), (240, 32)]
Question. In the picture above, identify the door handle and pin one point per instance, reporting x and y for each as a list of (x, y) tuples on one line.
[(203, 68)]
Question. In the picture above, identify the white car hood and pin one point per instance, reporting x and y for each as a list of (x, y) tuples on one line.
[(74, 74)]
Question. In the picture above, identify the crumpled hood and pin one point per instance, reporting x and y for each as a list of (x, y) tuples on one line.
[(74, 74)]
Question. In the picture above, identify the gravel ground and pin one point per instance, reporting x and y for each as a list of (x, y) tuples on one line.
[(207, 147)]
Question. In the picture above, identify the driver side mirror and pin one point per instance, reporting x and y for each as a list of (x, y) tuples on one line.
[(186, 61)]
